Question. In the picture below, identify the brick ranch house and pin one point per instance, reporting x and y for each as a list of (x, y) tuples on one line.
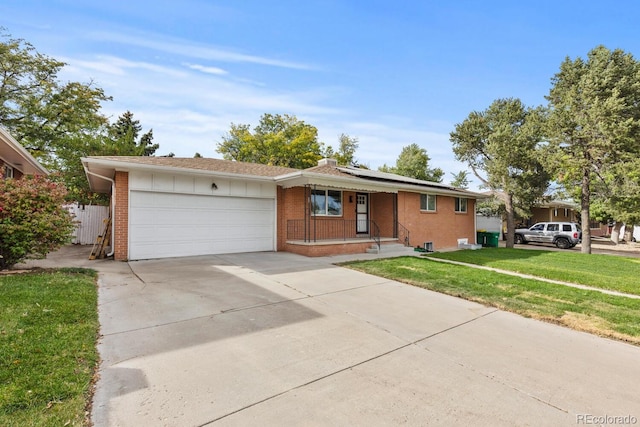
[(15, 160), (169, 207)]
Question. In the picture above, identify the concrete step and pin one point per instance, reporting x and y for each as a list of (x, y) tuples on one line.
[(390, 248), (373, 249)]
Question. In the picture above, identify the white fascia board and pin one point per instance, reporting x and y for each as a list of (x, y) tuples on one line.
[(130, 166), (301, 178), (23, 153), (298, 179)]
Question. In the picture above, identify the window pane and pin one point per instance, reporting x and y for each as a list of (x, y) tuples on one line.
[(334, 202), (318, 202), (427, 202), (460, 204), (431, 205)]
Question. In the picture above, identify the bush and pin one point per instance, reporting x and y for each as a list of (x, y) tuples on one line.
[(33, 221)]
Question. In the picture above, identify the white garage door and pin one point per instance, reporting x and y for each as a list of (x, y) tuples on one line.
[(171, 225)]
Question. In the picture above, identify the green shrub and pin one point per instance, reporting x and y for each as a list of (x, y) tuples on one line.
[(33, 221)]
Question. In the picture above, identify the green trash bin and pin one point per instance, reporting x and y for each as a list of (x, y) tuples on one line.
[(481, 237), (491, 239)]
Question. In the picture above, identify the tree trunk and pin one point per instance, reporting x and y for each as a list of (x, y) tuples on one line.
[(615, 232), (584, 212), (508, 204), (628, 232)]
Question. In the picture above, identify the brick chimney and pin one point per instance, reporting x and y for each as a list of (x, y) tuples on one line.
[(328, 162)]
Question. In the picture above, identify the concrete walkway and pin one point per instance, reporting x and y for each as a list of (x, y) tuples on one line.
[(279, 339)]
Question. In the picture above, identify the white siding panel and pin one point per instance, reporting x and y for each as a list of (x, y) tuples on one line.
[(141, 180), (171, 225)]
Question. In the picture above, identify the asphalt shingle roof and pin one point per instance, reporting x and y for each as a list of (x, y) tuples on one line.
[(207, 164)]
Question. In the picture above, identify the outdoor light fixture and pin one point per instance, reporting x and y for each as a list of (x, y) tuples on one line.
[(350, 199), (214, 186)]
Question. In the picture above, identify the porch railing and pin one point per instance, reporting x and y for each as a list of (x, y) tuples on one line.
[(403, 235), (321, 229)]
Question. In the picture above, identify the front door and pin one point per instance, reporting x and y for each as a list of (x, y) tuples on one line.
[(362, 213)]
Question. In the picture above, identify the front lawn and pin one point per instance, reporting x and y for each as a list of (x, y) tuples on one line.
[(589, 311), (48, 356), (611, 272)]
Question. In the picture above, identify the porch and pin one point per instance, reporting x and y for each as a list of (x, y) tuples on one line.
[(322, 236)]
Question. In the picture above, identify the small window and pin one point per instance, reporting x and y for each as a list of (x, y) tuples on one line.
[(566, 227), (461, 204), (326, 202), (553, 227), (428, 202), (8, 171)]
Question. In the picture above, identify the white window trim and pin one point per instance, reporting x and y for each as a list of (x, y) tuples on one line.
[(466, 205), (8, 171), (326, 202), (435, 202)]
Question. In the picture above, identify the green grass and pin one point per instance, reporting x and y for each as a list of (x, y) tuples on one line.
[(48, 333), (589, 311), (601, 271)]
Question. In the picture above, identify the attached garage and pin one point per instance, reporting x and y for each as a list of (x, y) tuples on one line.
[(172, 225), (173, 207)]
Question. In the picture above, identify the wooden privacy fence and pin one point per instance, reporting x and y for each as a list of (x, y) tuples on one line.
[(91, 220)]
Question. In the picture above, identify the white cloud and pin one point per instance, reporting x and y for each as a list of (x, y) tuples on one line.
[(189, 49), (117, 66), (205, 69), (191, 106)]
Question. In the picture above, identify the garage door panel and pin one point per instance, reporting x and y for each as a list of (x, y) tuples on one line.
[(169, 225)]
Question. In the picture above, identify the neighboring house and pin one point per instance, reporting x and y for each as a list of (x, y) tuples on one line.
[(554, 210), (16, 160), (558, 210), (169, 207)]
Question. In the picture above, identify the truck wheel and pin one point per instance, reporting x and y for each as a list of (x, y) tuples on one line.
[(519, 240)]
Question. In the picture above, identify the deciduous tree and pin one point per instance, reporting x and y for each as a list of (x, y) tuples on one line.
[(413, 162), (36, 107), (278, 140), (346, 153), (501, 145)]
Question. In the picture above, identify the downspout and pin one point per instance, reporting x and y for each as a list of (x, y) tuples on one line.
[(475, 221), (113, 209)]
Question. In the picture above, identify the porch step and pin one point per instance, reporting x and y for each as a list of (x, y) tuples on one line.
[(390, 248)]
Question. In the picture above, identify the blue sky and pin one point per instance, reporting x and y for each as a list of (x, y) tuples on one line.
[(388, 73)]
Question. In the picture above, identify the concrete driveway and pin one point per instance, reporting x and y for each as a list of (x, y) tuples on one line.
[(280, 339)]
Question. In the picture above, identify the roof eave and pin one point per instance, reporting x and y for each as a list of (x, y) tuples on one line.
[(32, 166), (116, 165), (301, 178)]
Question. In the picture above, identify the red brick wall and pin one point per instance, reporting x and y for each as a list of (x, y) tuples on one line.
[(121, 217), (291, 206), (382, 212), (443, 227), (326, 250)]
